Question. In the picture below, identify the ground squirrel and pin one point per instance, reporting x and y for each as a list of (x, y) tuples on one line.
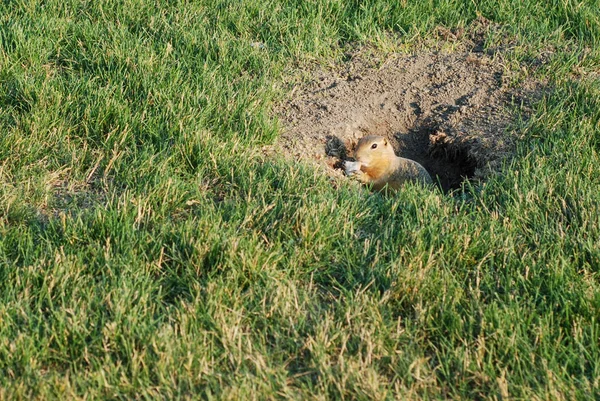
[(377, 164)]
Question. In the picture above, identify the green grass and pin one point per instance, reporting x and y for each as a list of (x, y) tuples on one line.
[(149, 250)]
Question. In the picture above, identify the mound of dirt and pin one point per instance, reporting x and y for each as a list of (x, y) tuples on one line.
[(449, 112)]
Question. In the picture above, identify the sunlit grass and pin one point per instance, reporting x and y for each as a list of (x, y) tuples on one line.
[(149, 249)]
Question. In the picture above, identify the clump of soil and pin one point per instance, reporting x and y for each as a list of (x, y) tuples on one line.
[(448, 111)]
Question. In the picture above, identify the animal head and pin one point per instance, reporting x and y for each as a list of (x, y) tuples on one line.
[(373, 155), (373, 149)]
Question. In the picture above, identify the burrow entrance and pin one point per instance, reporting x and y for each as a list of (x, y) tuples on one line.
[(448, 164), (451, 112)]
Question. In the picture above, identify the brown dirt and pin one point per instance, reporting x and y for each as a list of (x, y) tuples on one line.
[(448, 111)]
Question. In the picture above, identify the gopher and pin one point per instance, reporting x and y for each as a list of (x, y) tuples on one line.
[(377, 164)]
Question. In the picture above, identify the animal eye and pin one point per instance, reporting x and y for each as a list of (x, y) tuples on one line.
[(374, 146)]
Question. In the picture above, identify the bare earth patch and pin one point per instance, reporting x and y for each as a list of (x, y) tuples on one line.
[(448, 111)]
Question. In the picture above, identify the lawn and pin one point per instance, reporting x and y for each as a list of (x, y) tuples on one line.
[(150, 249)]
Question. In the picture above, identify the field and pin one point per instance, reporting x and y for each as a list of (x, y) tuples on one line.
[(151, 248)]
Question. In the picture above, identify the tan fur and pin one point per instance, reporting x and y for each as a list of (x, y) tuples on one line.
[(380, 167)]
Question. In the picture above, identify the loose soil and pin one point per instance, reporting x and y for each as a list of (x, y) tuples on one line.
[(451, 112)]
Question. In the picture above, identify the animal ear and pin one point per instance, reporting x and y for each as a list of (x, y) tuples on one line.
[(385, 141)]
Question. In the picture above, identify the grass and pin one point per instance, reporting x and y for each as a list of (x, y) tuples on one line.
[(149, 250)]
